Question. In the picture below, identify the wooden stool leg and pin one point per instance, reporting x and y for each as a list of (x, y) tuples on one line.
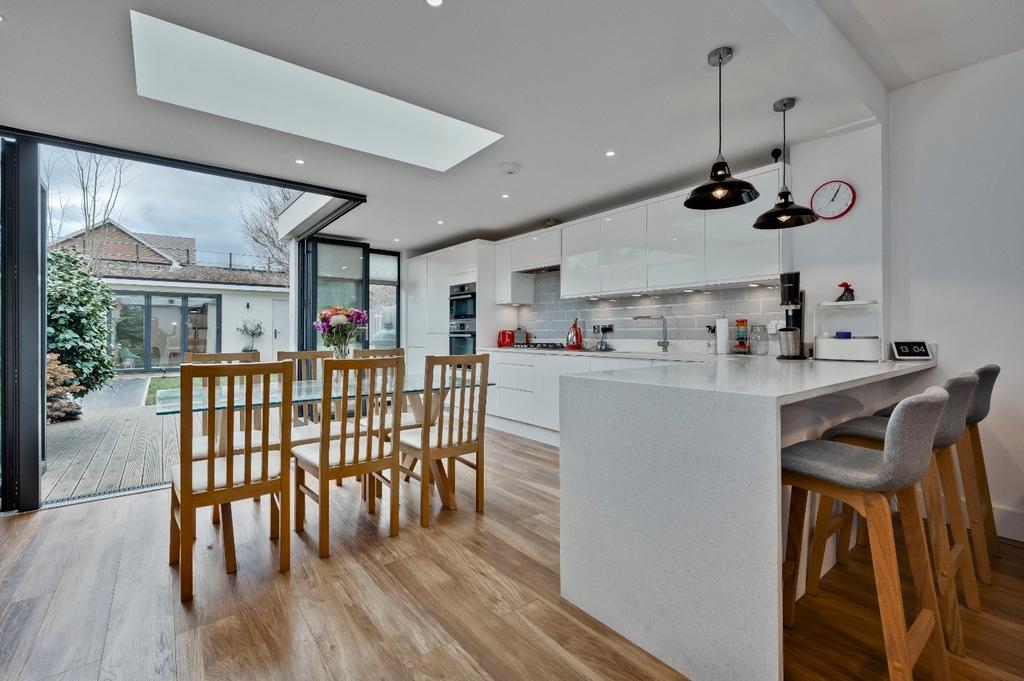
[(924, 586), (228, 528), (819, 538), (188, 535), (845, 530), (887, 582), (794, 549), (175, 542), (300, 499), (961, 542), (324, 508), (945, 570), (975, 514), (862, 531), (986, 496)]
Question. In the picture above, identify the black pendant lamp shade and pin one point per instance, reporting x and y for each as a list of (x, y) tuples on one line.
[(722, 190), (785, 214)]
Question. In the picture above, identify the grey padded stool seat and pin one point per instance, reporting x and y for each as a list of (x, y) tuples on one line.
[(941, 489), (865, 480)]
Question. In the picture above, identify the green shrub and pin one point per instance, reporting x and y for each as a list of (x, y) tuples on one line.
[(78, 305)]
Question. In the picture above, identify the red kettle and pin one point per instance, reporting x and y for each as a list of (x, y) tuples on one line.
[(574, 339)]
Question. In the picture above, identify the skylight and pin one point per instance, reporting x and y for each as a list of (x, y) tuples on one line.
[(184, 67)]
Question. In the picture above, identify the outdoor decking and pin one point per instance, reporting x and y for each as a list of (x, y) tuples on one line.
[(112, 447)]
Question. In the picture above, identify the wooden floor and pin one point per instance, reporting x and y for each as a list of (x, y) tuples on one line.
[(109, 449), (86, 594)]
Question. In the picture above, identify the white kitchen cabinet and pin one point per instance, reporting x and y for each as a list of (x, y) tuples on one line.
[(510, 287), (734, 250), (415, 360), (439, 272), (675, 244), (468, 277), (614, 363), (547, 371), (415, 286), (540, 249), (516, 405), (437, 344), (515, 376), (581, 259), (623, 261)]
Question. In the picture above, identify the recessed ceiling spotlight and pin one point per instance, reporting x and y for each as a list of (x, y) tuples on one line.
[(435, 3), (753, 285), (440, 222), (504, 196), (636, 295), (2, 18), (688, 290), (594, 300), (607, 219), (300, 161), (609, 153), (396, 239)]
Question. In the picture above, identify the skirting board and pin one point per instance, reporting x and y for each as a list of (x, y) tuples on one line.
[(542, 435)]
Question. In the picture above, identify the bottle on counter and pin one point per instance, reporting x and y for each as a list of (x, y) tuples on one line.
[(758, 339)]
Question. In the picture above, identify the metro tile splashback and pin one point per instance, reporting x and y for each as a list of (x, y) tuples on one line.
[(688, 314)]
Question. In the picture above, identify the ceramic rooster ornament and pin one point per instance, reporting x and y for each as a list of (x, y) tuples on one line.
[(847, 295)]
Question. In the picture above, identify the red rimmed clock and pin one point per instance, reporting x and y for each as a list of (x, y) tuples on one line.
[(833, 199)]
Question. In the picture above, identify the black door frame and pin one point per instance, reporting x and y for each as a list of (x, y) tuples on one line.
[(22, 425), (308, 306), (23, 350), (147, 326)]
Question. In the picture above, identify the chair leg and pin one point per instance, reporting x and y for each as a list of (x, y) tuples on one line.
[(228, 529), (324, 508), (300, 499), (275, 516), (986, 496), (945, 570), (370, 486), (425, 483), (955, 509), (479, 481), (188, 534), (794, 550), (975, 514), (174, 553), (845, 530), (924, 585), (215, 514), (862, 531), (411, 467), (393, 493), (284, 532), (887, 583), (819, 538)]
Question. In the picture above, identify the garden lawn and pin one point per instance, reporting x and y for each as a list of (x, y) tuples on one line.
[(161, 383)]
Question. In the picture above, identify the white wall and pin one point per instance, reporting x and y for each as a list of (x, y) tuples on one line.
[(957, 152), (234, 310), (849, 249)]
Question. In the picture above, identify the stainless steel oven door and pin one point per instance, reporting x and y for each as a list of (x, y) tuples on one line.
[(462, 343), (462, 306)]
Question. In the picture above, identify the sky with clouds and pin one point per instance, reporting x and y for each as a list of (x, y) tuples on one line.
[(160, 200)]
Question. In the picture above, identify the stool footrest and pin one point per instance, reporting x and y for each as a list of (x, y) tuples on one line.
[(920, 631)]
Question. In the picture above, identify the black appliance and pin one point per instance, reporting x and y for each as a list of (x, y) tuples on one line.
[(462, 302), (462, 337), (792, 301)]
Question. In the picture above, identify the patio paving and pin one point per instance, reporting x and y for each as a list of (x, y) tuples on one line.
[(117, 445)]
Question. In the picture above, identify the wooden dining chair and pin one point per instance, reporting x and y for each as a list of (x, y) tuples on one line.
[(199, 442), (407, 420), (307, 368), (216, 481), (458, 403), (369, 452)]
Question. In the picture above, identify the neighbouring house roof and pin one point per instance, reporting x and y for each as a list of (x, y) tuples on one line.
[(190, 273), (120, 243)]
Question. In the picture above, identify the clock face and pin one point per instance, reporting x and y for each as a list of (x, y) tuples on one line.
[(832, 200)]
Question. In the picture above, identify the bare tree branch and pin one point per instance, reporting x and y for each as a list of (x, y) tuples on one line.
[(99, 180), (259, 221), (56, 203)]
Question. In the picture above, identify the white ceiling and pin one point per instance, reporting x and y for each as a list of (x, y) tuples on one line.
[(905, 41), (562, 81)]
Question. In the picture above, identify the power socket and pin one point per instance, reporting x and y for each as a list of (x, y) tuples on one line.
[(597, 328), (774, 325)]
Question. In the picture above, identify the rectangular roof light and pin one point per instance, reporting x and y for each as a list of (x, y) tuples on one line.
[(180, 66)]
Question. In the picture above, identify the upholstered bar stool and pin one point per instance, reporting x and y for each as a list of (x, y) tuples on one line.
[(939, 482), (866, 481), (973, 475)]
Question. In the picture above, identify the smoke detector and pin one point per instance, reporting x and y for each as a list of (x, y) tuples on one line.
[(510, 167)]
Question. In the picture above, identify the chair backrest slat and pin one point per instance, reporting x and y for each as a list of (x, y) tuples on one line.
[(217, 358), (307, 368)]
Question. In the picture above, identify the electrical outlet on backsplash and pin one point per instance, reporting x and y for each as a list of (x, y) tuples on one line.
[(688, 314)]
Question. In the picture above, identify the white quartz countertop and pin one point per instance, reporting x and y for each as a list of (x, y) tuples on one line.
[(787, 381), (617, 354)]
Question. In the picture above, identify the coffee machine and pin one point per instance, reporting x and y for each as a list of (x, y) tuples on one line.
[(791, 337)]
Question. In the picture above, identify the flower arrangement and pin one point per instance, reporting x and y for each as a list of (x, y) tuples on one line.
[(339, 327)]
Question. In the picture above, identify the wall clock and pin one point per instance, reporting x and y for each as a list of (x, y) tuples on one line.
[(833, 199)]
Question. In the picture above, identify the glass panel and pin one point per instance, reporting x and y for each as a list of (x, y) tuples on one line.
[(165, 330), (202, 325), (339, 277), (127, 330), (383, 310)]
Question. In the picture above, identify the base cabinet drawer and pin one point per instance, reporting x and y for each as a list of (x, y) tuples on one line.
[(515, 376), (515, 405)]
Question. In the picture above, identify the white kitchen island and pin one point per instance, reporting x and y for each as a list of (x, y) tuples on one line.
[(672, 503)]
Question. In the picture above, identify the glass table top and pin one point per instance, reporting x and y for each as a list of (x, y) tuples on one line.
[(168, 401)]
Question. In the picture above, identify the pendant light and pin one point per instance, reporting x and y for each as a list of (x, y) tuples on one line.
[(722, 190), (784, 214)]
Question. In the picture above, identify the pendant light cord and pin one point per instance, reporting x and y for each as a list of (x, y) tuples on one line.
[(719, 105), (785, 156)]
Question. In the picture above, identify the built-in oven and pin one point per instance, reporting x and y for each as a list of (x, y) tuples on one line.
[(462, 302), (462, 337)]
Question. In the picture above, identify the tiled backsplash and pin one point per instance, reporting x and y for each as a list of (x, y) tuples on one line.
[(688, 314)]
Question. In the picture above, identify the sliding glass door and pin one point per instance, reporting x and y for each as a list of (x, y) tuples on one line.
[(153, 331), (339, 272)]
